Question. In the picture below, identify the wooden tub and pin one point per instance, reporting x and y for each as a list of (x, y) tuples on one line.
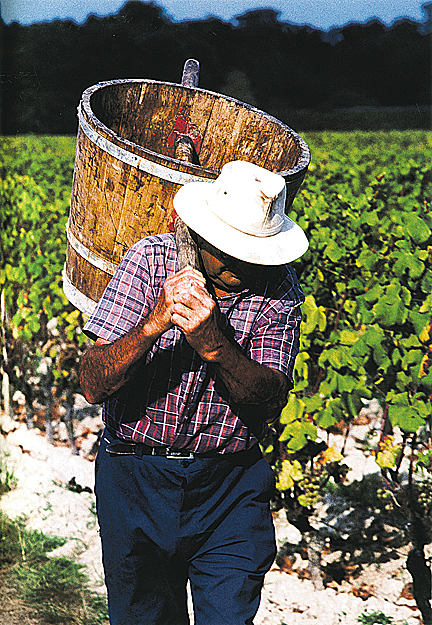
[(126, 175)]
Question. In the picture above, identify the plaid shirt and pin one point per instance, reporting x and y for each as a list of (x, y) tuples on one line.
[(176, 399)]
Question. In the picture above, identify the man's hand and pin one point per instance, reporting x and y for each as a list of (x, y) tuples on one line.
[(196, 314), (182, 282)]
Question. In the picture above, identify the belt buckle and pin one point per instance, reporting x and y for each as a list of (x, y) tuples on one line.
[(179, 455)]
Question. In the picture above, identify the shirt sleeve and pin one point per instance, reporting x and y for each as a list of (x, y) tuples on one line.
[(275, 341), (127, 298)]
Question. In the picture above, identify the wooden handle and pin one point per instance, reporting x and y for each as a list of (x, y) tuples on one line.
[(187, 251), (184, 149), (190, 77)]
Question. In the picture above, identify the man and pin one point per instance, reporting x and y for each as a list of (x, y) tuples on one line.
[(191, 365)]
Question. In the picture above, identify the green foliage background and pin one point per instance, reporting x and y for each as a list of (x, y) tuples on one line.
[(42, 330), (365, 205), (35, 193)]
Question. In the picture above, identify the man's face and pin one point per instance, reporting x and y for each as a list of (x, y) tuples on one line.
[(228, 274)]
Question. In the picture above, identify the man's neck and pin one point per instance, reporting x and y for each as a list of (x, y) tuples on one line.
[(220, 293)]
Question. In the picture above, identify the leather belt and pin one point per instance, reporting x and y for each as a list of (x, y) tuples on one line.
[(125, 448)]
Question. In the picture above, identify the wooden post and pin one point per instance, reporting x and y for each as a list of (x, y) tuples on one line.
[(5, 376), (187, 252)]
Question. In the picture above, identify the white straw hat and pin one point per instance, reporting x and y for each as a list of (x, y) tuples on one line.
[(242, 214)]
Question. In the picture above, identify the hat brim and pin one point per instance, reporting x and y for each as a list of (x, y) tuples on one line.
[(190, 203)]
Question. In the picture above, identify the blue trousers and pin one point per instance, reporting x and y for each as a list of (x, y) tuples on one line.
[(165, 521)]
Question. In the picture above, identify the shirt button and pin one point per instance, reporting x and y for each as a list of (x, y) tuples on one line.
[(185, 464)]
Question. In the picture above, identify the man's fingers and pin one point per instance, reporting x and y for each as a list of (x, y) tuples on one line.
[(191, 293), (189, 305), (188, 273), (191, 309)]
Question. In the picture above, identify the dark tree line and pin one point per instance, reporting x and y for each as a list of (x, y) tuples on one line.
[(256, 58)]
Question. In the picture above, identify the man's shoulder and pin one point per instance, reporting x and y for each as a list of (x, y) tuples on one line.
[(156, 254), (159, 243), (282, 280), (152, 251)]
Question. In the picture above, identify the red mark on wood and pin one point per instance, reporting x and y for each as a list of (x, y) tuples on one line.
[(183, 127), (171, 223)]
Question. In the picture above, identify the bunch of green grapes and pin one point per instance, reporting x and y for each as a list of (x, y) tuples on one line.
[(310, 485), (385, 496), (425, 494)]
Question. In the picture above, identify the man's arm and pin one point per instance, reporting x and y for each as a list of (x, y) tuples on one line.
[(250, 382), (107, 366)]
